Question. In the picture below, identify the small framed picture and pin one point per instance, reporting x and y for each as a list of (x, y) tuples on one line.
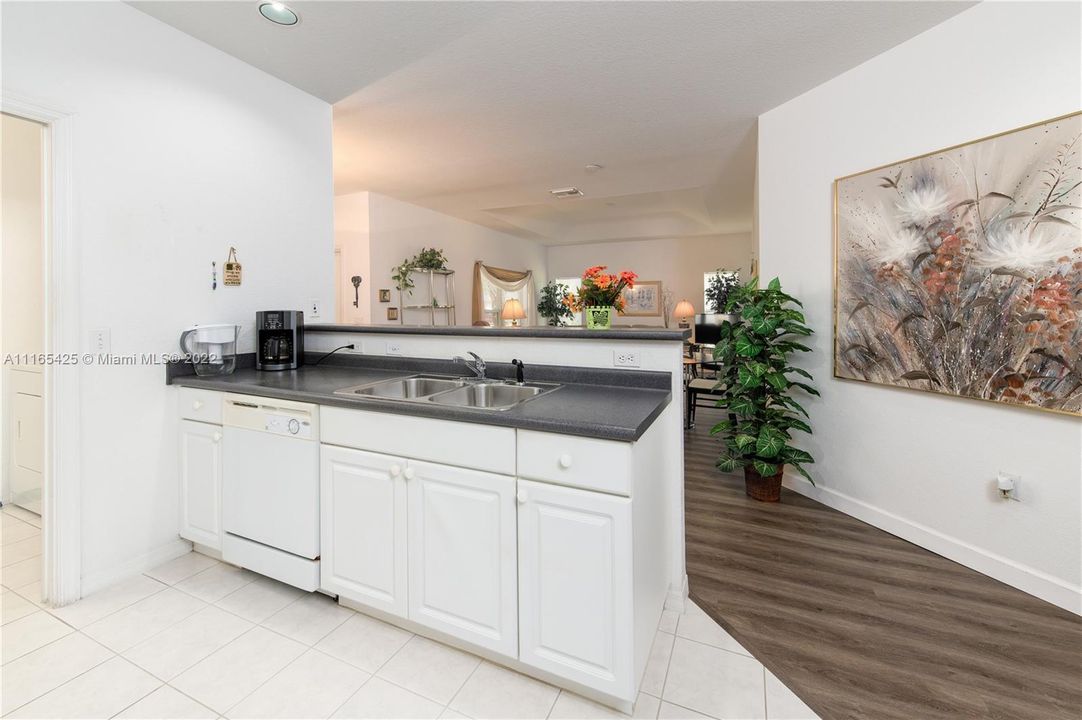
[(385, 296), (392, 313)]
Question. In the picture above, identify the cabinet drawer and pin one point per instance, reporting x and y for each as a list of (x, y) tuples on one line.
[(603, 465), (201, 405), (468, 445)]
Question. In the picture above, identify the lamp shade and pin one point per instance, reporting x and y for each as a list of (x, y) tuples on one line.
[(683, 310), (513, 311)]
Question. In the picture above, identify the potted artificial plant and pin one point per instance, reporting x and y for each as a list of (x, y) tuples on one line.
[(757, 389), (427, 259), (601, 296), (552, 305), (717, 290)]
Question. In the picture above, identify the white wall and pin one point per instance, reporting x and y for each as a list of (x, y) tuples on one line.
[(179, 152), (679, 264), (352, 247), (920, 465), (398, 230)]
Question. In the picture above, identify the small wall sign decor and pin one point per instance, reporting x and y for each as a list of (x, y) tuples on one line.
[(643, 299), (231, 269), (384, 295), (392, 313), (959, 272)]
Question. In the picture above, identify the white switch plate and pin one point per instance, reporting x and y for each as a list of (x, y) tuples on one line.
[(625, 358), (1015, 481), (100, 341), (394, 347), (315, 308)]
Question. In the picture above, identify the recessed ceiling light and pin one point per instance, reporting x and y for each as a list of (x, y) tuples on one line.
[(593, 167), (278, 13), (568, 192)]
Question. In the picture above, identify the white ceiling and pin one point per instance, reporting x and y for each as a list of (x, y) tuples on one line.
[(478, 109)]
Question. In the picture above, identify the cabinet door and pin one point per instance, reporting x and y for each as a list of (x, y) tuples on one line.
[(575, 585), (462, 562), (363, 527), (201, 483)]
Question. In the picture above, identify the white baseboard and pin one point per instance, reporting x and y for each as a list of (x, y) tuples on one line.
[(92, 582), (677, 596), (1017, 575)]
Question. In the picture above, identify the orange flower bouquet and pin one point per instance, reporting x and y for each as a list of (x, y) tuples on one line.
[(600, 294)]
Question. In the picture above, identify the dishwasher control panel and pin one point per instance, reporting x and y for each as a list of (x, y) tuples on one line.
[(281, 424)]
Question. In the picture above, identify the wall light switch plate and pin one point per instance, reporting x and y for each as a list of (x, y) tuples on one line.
[(100, 341), (394, 347), (625, 358), (315, 308)]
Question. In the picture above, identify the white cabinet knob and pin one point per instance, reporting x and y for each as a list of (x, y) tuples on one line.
[(217, 437), (409, 473), (521, 497), (565, 461), (197, 405), (396, 470)]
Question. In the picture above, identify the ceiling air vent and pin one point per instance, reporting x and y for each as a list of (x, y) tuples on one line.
[(568, 192)]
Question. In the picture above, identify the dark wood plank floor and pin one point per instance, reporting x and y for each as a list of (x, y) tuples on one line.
[(862, 624)]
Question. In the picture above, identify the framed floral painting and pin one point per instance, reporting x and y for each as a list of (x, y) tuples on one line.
[(960, 271)]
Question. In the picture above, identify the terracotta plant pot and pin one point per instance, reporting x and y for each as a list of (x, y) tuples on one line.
[(765, 489)]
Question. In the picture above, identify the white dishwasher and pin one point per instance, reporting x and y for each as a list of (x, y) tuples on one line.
[(270, 488)]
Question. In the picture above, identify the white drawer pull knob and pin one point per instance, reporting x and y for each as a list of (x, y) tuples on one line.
[(217, 437), (521, 496), (396, 471), (565, 461), (197, 405), (409, 473)]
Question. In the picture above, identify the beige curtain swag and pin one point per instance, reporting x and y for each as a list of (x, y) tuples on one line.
[(508, 280)]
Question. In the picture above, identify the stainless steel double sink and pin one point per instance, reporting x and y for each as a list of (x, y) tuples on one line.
[(453, 391)]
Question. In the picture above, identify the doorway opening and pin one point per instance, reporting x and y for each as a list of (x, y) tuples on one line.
[(24, 186)]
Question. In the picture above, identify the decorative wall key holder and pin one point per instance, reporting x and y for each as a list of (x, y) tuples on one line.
[(231, 269)]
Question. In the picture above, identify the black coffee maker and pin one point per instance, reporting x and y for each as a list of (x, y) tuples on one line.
[(280, 339)]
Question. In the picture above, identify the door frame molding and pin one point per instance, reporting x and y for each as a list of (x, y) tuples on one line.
[(62, 483)]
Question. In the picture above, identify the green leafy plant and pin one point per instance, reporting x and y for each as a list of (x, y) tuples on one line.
[(717, 292), (553, 305), (427, 259), (757, 390)]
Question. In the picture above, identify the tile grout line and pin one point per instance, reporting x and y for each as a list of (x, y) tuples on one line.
[(84, 672)]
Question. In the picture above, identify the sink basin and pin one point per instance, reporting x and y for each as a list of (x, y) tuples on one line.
[(413, 388), (490, 395)]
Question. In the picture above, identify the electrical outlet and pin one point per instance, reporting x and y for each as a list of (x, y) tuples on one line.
[(315, 308), (394, 347), (625, 358), (99, 341), (1009, 486)]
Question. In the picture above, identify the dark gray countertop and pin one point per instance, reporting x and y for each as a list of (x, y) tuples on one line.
[(622, 410), (541, 331)]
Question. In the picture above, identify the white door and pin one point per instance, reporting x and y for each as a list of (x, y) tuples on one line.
[(575, 585), (363, 528), (201, 483), (462, 564), (28, 456)]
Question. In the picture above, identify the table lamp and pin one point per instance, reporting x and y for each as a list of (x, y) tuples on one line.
[(512, 310), (683, 311)]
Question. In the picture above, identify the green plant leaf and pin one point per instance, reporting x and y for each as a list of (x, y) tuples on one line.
[(743, 441), (742, 405), (727, 463), (799, 371), (769, 443), (746, 348), (777, 381), (746, 379), (798, 424), (806, 388), (774, 284), (803, 472), (795, 456), (765, 469)]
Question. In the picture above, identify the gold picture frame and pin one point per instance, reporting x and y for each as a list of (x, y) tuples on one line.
[(967, 267)]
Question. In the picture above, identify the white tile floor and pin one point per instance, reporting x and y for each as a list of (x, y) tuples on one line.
[(196, 638)]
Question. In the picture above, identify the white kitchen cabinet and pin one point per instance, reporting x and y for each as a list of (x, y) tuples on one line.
[(575, 586), (201, 483), (462, 554), (363, 528)]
